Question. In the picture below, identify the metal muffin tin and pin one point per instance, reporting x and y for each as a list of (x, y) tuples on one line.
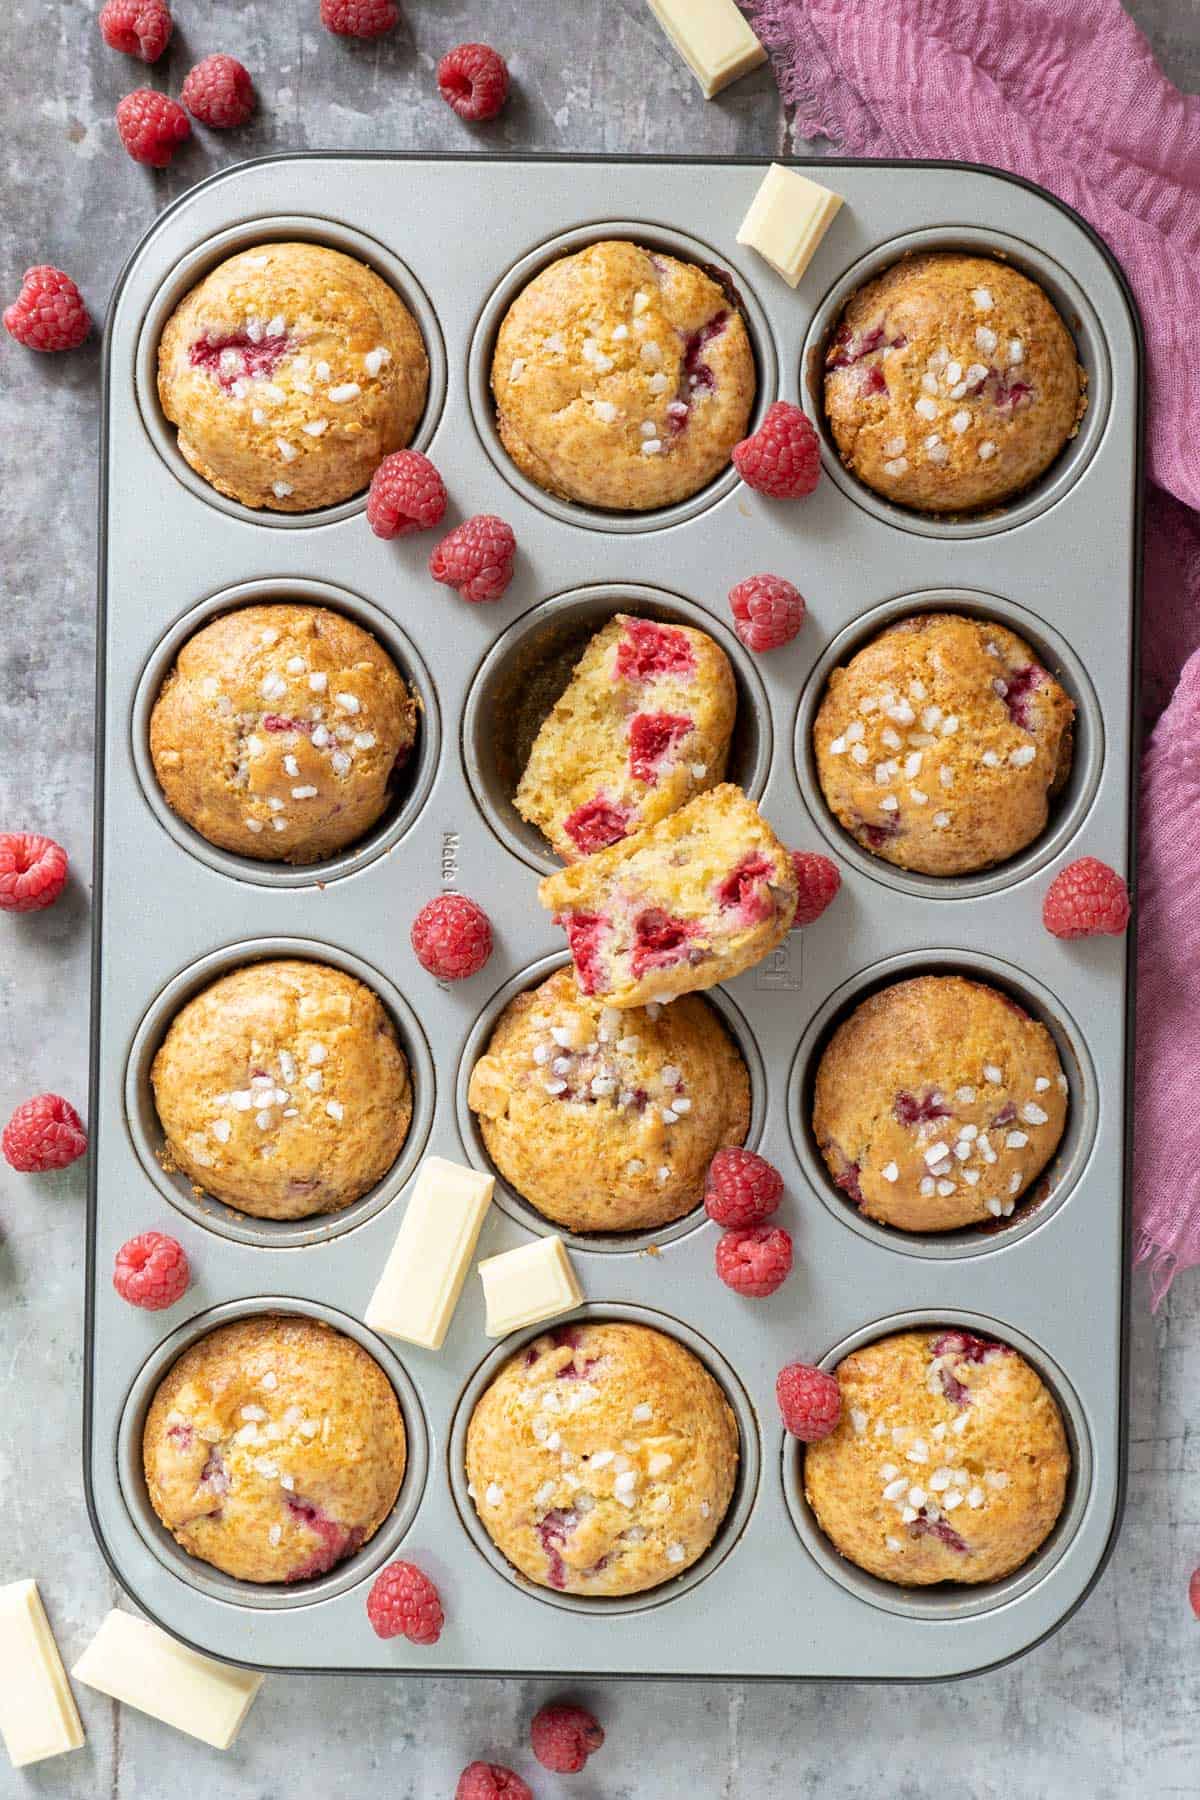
[(771, 1598)]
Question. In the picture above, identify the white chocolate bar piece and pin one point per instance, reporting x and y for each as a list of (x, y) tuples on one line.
[(423, 1277), (133, 1661), (787, 219), (38, 1716), (523, 1286), (713, 39)]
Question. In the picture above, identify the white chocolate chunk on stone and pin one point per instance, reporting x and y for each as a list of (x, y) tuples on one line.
[(524, 1286), (133, 1661), (713, 39), (787, 219), (38, 1716), (423, 1277)]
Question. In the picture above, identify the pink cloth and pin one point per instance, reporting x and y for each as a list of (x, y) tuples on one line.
[(1067, 93)]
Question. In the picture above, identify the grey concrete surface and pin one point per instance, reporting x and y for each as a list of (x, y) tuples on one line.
[(1108, 1708)]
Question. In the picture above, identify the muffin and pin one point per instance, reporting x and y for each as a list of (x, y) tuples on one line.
[(282, 1090), (941, 743), (291, 371), (950, 1462), (689, 902), (938, 1101), (279, 732), (623, 378), (602, 1459), (606, 1120), (951, 383), (274, 1448), (643, 726)]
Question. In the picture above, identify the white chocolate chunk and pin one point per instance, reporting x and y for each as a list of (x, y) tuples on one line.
[(713, 39), (423, 1277), (524, 1286), (136, 1663), (38, 1716), (787, 219)]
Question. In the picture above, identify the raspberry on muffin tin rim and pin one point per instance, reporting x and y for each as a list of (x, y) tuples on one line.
[(946, 1603), (1068, 810), (1057, 1182), (559, 629), (648, 235), (412, 790), (213, 1582), (1077, 315), (145, 1130), (330, 234), (745, 1492)]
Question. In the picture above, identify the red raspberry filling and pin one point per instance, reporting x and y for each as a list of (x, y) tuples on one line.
[(923, 1526), (648, 651), (553, 1531), (584, 932), (660, 940), (652, 737), (336, 1541), (966, 1347), (1017, 688), (848, 349), (697, 375), (596, 824), (916, 1109), (847, 1177), (745, 889), (879, 834), (256, 360)]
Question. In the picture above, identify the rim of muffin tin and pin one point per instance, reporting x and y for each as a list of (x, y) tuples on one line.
[(1068, 810), (593, 607), (522, 1211), (646, 235), (196, 264), (412, 788), (1045, 1195), (204, 1577), (146, 1133), (947, 1602), (745, 1491), (1081, 321)]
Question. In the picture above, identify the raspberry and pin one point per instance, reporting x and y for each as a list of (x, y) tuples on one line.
[(151, 126), (151, 1271), (33, 871), (783, 458), (1194, 1592), (48, 313), (44, 1133), (743, 1189), (1085, 899), (452, 937), (491, 1781), (407, 495), (563, 1737), (140, 28), (359, 18), (403, 1602), (818, 880), (755, 1260), (476, 558), (767, 611), (809, 1400), (219, 92), (473, 79)]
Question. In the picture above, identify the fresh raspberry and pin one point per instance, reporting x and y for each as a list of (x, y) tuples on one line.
[(151, 1271), (1086, 899), (755, 1260), (818, 880), (151, 126), (767, 611), (403, 1602), (48, 313), (563, 1737), (407, 495), (743, 1189), (219, 92), (783, 458), (44, 1133), (476, 558), (140, 28), (452, 937), (810, 1401), (359, 18), (1194, 1592), (473, 79), (33, 871), (491, 1781)]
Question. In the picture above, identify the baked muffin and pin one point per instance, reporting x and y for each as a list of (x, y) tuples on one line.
[(282, 1090), (623, 378), (279, 732), (643, 727), (274, 1448), (686, 903), (941, 743), (606, 1120), (951, 383), (602, 1459), (291, 371), (950, 1462), (938, 1101)]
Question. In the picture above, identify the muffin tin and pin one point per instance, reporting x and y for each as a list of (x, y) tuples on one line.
[(771, 1597)]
